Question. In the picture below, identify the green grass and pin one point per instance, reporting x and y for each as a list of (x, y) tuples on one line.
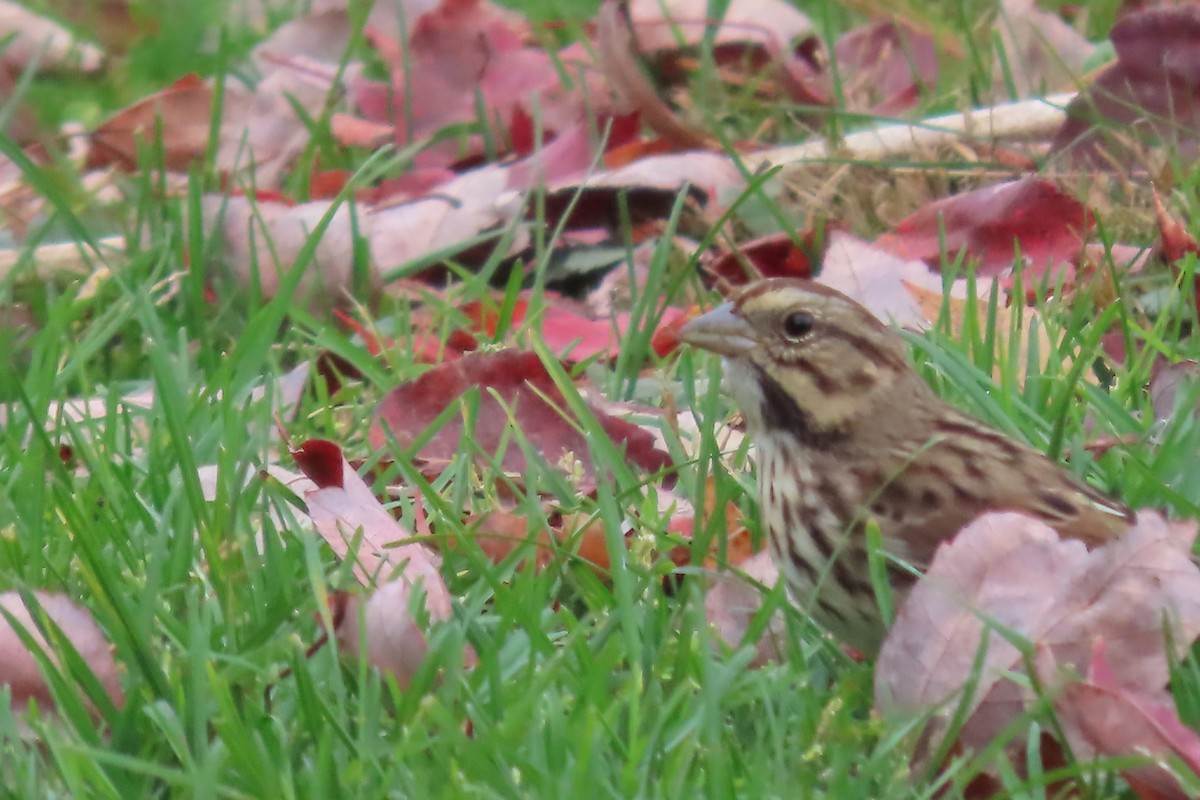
[(588, 684)]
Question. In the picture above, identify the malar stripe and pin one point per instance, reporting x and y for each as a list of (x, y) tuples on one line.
[(779, 409), (781, 414), (833, 610)]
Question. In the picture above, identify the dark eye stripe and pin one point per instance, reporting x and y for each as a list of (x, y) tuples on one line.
[(869, 347)]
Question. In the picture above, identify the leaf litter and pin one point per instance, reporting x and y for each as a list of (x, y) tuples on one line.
[(617, 143)]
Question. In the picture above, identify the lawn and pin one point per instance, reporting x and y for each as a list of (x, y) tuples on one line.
[(146, 470)]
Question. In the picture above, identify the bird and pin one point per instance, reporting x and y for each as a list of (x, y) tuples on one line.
[(846, 432)]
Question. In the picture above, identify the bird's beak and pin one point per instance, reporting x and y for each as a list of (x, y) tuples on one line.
[(722, 331)]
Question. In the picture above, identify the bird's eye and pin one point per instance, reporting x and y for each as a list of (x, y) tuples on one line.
[(797, 324)]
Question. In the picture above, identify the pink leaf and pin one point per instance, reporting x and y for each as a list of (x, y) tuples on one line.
[(19, 669)]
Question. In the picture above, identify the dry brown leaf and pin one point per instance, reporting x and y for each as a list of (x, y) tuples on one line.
[(1174, 239), (111, 23), (620, 65), (259, 127), (19, 669), (1031, 327)]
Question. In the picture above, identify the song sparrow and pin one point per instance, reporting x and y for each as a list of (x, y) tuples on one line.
[(846, 430)]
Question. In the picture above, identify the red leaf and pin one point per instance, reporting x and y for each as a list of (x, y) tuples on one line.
[(886, 65), (466, 58), (1149, 96), (509, 379), (321, 460), (486, 318), (325, 184), (990, 223), (1056, 594), (666, 336), (571, 334), (1102, 715), (773, 256)]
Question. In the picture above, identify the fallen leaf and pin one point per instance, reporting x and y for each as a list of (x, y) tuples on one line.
[(1174, 240), (450, 215), (399, 572), (19, 669), (1037, 51), (185, 107), (1166, 382), (499, 532), (734, 598), (772, 256), (259, 125), (990, 224), (646, 189), (515, 393), (879, 280), (394, 637), (773, 25), (348, 515), (1103, 716), (1148, 97), (571, 333), (467, 58), (260, 240), (615, 44), (110, 23), (886, 66), (1013, 571), (1009, 338), (30, 39)]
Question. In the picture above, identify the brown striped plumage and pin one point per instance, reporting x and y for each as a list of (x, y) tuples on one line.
[(846, 430)]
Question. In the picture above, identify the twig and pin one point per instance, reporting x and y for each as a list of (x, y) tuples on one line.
[(1036, 118), (51, 261)]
